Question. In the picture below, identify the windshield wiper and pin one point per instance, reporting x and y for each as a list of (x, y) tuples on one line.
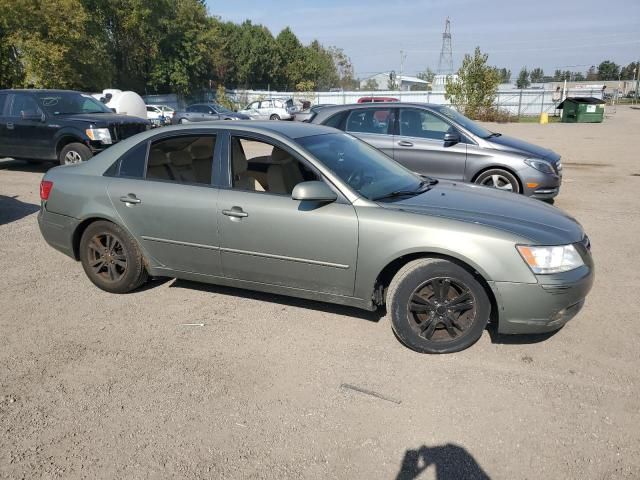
[(423, 186), (494, 134)]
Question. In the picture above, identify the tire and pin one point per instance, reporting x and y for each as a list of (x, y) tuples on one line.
[(183, 121), (499, 179), (124, 249), (442, 323), (74, 153), (274, 117)]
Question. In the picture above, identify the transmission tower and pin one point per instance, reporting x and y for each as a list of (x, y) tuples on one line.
[(445, 65)]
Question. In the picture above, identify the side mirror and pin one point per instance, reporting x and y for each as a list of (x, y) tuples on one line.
[(451, 138), (313, 191), (35, 116)]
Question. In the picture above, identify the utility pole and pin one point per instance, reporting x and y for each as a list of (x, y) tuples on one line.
[(403, 56)]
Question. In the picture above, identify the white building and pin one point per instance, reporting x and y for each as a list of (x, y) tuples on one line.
[(405, 81)]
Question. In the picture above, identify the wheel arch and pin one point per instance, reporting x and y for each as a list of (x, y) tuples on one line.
[(389, 271), (499, 167), (65, 139), (84, 224)]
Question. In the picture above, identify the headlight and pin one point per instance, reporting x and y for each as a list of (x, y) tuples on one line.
[(101, 135), (540, 165), (553, 259)]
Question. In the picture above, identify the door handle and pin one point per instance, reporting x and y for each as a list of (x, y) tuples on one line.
[(131, 198), (9, 126), (235, 212), (404, 143)]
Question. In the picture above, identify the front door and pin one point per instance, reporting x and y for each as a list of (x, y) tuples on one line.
[(269, 238), (420, 145), (374, 126), (29, 137), (171, 208)]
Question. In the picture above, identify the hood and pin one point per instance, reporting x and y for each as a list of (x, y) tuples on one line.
[(510, 144), (537, 221), (102, 118)]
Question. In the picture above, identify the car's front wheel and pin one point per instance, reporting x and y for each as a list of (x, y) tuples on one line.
[(500, 179), (111, 258), (436, 306), (274, 117), (74, 153)]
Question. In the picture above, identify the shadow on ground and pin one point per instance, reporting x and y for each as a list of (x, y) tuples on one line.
[(450, 462), (522, 339), (282, 300), (12, 209), (24, 166)]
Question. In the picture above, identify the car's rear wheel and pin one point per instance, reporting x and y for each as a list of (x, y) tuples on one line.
[(500, 179), (74, 153), (436, 306), (274, 117), (183, 121), (111, 258)]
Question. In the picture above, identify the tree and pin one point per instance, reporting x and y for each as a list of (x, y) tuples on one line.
[(474, 89), (504, 74), (592, 73), (608, 70), (428, 75), (523, 78), (537, 75), (344, 68), (628, 72), (320, 67), (370, 84), (292, 57), (578, 77)]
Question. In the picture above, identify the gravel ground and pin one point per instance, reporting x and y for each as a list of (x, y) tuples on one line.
[(94, 385)]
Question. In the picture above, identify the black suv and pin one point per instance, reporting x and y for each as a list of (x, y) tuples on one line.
[(59, 125)]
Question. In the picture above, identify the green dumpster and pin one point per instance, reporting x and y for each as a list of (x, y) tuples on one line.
[(582, 110)]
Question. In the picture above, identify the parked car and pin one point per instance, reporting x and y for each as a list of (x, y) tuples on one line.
[(308, 211), (306, 115), (377, 99), (205, 112), (160, 114), (271, 109), (438, 141), (60, 125)]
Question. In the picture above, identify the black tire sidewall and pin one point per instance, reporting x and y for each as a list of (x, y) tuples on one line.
[(398, 306), (505, 173), (135, 273), (274, 117), (84, 151)]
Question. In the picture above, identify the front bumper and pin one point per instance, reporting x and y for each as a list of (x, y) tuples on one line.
[(543, 186), (57, 230), (544, 306)]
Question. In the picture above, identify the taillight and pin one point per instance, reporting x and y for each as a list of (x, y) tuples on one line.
[(45, 189)]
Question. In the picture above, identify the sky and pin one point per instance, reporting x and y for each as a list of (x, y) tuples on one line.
[(559, 34)]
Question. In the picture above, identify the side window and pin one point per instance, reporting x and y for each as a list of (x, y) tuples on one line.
[(336, 120), (151, 109), (3, 101), (370, 120), (422, 124), (253, 105), (278, 104), (23, 105), (132, 162), (182, 159), (265, 104), (192, 109), (262, 167)]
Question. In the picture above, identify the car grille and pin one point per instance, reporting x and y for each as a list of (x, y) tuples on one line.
[(125, 130)]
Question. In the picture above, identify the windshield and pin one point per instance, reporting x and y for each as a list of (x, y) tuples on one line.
[(463, 121), (60, 103), (367, 170)]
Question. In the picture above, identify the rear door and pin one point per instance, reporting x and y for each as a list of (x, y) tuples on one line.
[(4, 133), (420, 145), (168, 202), (372, 125)]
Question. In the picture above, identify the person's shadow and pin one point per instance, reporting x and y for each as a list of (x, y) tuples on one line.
[(451, 462)]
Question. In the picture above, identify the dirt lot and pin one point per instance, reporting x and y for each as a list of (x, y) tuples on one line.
[(94, 385)]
